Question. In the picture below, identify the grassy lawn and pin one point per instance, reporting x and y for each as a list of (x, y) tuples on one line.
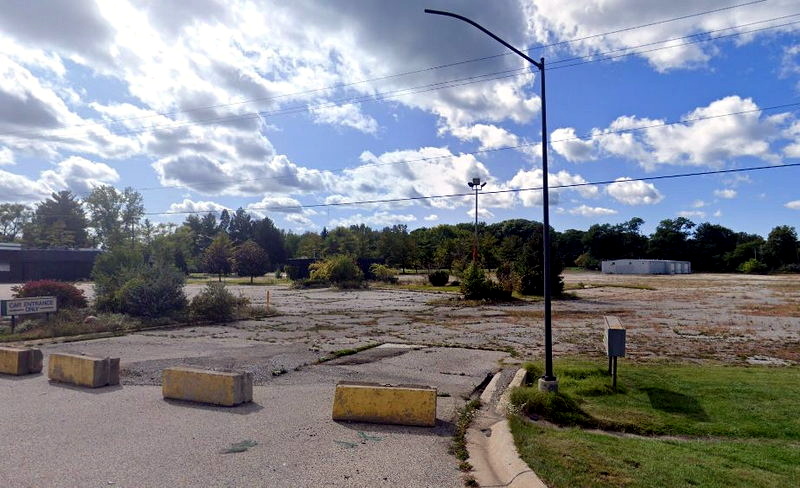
[(202, 278), (736, 426), (576, 458), (419, 287)]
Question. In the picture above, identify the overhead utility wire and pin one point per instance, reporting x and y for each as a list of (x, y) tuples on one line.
[(447, 84), (588, 137), (432, 68), (356, 203)]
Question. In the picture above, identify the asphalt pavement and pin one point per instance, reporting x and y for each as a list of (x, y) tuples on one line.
[(128, 436)]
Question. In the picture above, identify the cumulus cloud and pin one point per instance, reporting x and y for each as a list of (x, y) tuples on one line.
[(76, 174), (726, 193), (702, 140), (348, 115), (634, 192), (533, 179), (490, 136), (555, 20), (692, 214), (6, 156), (191, 206), (794, 205), (587, 211), (431, 218), (378, 219)]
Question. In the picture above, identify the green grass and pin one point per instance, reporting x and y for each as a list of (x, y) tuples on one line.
[(203, 278), (575, 458), (419, 287), (725, 425)]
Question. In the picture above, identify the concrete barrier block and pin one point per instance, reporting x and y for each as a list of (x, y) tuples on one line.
[(20, 361), (385, 404), (81, 370), (203, 386)]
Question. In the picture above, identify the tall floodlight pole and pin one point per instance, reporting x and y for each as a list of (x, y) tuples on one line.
[(476, 185), (547, 382)]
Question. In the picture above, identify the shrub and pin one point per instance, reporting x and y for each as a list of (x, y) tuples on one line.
[(214, 303), (586, 261), (753, 266), (68, 295), (340, 270), (790, 268), (438, 278), (383, 273), (153, 291), (505, 277), (278, 274), (475, 286), (111, 270)]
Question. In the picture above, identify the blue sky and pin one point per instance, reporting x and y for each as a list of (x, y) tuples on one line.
[(269, 105)]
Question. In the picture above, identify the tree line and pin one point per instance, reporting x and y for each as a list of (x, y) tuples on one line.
[(238, 241)]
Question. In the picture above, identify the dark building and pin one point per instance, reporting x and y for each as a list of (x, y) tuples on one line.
[(18, 265)]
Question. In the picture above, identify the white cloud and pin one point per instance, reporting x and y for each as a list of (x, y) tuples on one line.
[(586, 211), (378, 219), (634, 192), (699, 204), (347, 115), (703, 140), (794, 205), (565, 142), (692, 214), (490, 136), (431, 218), (556, 20), (726, 193), (533, 179), (718, 214), (6, 156), (76, 174), (188, 206), (482, 213)]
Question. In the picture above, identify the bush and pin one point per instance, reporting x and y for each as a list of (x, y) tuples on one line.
[(438, 278), (340, 270), (383, 273), (214, 303), (153, 291), (753, 266), (475, 286), (278, 274), (68, 295), (790, 268), (505, 277), (111, 270), (586, 261)]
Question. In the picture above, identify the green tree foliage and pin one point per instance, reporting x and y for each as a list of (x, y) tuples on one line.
[(606, 241), (271, 239), (59, 221), (251, 260), (781, 247), (241, 227), (476, 286), (381, 272), (671, 240), (114, 215), (711, 245), (13, 218), (218, 257)]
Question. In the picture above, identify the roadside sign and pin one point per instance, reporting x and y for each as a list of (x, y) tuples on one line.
[(25, 306)]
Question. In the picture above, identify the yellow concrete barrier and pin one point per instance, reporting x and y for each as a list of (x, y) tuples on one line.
[(203, 386), (83, 370), (19, 361), (385, 404)]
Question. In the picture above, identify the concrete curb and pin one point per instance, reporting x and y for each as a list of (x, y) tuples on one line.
[(492, 452)]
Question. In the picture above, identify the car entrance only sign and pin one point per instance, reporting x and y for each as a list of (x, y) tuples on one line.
[(24, 306)]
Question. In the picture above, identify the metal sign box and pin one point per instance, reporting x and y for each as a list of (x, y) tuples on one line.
[(25, 306), (614, 337)]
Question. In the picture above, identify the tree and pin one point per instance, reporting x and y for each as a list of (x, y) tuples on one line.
[(218, 256), (251, 260), (58, 221), (114, 215), (781, 247), (309, 245), (671, 239), (271, 239), (241, 227), (13, 218), (224, 221), (710, 246)]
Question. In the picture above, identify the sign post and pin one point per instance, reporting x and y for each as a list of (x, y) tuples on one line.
[(27, 306)]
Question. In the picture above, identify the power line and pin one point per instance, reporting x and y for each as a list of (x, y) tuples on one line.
[(490, 192), (588, 137), (406, 73)]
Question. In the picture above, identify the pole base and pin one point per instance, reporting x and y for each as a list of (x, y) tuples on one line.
[(548, 385)]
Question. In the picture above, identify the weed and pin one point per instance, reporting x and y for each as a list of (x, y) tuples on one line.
[(458, 446)]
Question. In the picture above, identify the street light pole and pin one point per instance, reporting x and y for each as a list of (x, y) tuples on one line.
[(477, 186), (548, 382)]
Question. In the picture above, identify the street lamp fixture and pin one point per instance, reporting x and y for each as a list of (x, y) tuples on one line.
[(547, 382), (476, 185)]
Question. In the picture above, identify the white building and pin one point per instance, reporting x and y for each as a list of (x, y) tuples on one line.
[(646, 266)]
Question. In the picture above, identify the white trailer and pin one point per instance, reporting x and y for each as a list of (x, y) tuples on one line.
[(646, 266)]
